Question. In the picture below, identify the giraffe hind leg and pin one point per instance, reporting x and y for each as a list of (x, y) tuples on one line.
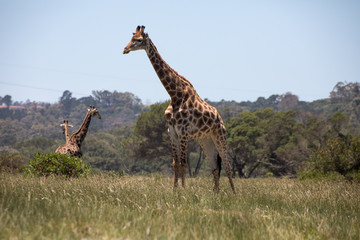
[(214, 159), (218, 160), (227, 166), (222, 148)]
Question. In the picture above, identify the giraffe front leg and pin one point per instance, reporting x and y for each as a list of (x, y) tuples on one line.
[(176, 167)]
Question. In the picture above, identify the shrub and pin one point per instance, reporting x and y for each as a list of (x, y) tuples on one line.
[(56, 164), (354, 175), (340, 156), (317, 174), (11, 162)]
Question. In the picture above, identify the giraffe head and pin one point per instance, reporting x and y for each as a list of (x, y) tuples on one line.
[(94, 112), (138, 41), (65, 125)]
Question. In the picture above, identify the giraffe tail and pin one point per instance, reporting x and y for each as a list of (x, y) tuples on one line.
[(218, 161)]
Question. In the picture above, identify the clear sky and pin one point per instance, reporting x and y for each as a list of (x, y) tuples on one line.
[(232, 50)]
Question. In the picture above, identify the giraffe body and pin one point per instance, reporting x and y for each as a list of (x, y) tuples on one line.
[(72, 147), (188, 115)]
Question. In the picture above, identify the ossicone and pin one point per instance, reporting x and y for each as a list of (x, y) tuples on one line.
[(140, 28)]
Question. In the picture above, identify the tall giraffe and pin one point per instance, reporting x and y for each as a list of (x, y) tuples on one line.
[(188, 115), (73, 144), (65, 127)]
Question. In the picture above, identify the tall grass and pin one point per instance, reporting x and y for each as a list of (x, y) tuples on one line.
[(128, 207)]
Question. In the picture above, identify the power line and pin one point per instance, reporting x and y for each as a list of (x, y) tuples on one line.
[(39, 88), (119, 78), (62, 71)]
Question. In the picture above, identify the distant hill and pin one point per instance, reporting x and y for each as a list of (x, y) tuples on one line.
[(20, 121), (344, 98)]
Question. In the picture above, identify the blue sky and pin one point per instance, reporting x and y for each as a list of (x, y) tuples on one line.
[(232, 50)]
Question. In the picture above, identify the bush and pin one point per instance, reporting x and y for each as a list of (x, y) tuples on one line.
[(56, 164), (354, 176), (340, 157), (319, 175), (11, 162)]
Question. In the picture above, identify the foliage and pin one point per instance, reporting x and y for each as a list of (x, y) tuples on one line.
[(287, 102), (344, 98), (56, 164), (340, 156), (11, 162), (137, 207), (278, 142), (266, 140), (104, 150), (150, 142), (6, 100), (133, 138), (39, 144), (67, 103), (152, 128), (33, 120), (345, 92)]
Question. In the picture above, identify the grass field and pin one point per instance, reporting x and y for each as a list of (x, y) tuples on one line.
[(129, 207)]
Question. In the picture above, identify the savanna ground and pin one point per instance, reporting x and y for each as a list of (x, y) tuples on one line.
[(134, 207)]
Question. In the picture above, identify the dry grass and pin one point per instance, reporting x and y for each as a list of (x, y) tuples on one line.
[(105, 207)]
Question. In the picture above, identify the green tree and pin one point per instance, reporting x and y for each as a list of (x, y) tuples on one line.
[(266, 141), (104, 150), (67, 102), (341, 155), (345, 92), (150, 139), (243, 134), (7, 100), (40, 144), (287, 101)]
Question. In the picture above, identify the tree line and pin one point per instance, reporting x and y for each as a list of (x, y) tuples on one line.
[(272, 136)]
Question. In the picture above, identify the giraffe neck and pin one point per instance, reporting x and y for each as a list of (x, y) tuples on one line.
[(79, 136), (67, 137), (174, 83)]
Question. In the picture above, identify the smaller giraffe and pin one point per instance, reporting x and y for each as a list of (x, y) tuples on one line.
[(72, 147), (65, 127)]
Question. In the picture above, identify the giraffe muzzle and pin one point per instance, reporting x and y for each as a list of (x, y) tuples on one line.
[(126, 51)]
